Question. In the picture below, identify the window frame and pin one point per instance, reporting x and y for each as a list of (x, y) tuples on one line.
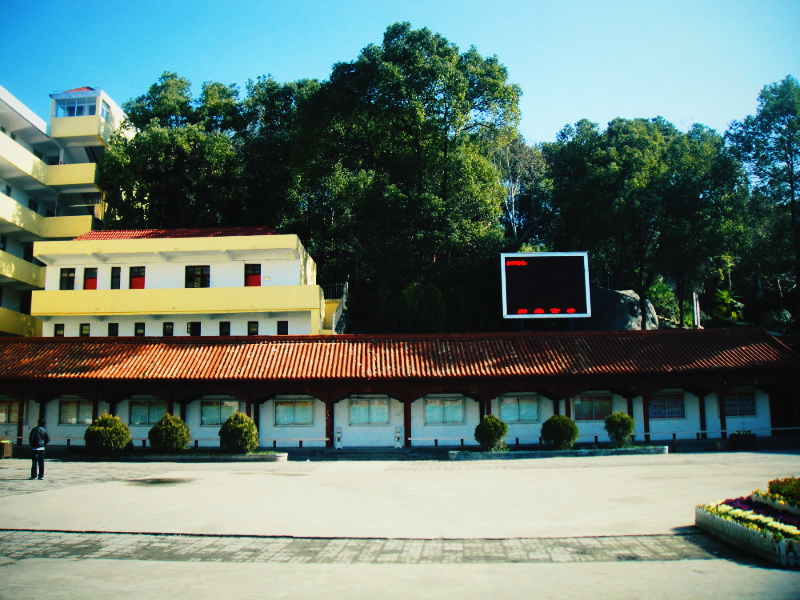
[(224, 328), (252, 328), (662, 406), (90, 278), (282, 328), (733, 398), (444, 400), (116, 278), (85, 330), (252, 275), (113, 330), (150, 403), (597, 416), (81, 407), (197, 276), (139, 328), (58, 329), (66, 278), (168, 329), (373, 417), (190, 325), (219, 405), (533, 399), (293, 422), (9, 410), (136, 278)]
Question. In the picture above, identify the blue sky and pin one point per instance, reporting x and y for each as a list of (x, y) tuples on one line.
[(686, 60)]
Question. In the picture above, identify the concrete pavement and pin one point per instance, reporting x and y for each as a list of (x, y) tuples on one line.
[(602, 527)]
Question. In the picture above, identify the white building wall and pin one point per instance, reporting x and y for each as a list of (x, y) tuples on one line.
[(526, 433), (290, 435), (760, 424), (207, 436), (447, 435), (378, 435)]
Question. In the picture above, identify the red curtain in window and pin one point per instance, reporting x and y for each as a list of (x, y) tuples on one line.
[(252, 280), (90, 283), (137, 282)]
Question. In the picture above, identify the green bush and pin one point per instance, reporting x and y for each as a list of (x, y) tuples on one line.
[(171, 434), (619, 426), (788, 487), (490, 433), (107, 436), (238, 434), (559, 432)]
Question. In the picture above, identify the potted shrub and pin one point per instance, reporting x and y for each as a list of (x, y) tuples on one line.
[(238, 434), (490, 433), (170, 435), (619, 426), (108, 436), (559, 432)]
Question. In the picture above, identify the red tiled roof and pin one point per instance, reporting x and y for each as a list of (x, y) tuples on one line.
[(80, 89), (392, 357), (136, 234)]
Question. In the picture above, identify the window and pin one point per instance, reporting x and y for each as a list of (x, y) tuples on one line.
[(90, 278), (136, 278), (225, 328), (3, 242), (216, 412), (74, 412), (667, 406), (115, 277), (76, 107), (84, 330), (33, 205), (105, 110), (146, 412), (294, 412), (444, 411), (168, 329), (113, 329), (283, 327), (252, 328), (9, 410), (138, 329), (58, 330), (519, 409), (740, 404), (193, 328), (252, 275), (592, 408), (67, 280), (369, 411), (198, 276)]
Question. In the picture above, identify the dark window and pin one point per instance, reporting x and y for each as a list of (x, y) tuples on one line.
[(9, 410), (198, 276), (84, 331), (169, 329), (252, 275), (138, 329), (58, 330), (74, 412), (67, 281), (740, 404), (224, 327), (252, 328), (33, 205), (90, 278), (667, 406), (2, 242), (283, 327), (136, 278), (193, 328), (113, 329), (592, 408), (115, 277)]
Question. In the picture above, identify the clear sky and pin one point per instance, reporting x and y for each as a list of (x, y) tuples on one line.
[(689, 61)]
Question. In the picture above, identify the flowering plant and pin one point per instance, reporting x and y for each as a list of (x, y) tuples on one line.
[(757, 516)]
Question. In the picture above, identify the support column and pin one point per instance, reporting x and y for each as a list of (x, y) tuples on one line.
[(702, 406), (329, 430), (20, 418), (407, 424), (646, 415), (723, 418)]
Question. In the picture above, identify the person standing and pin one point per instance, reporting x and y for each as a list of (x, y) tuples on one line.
[(38, 439)]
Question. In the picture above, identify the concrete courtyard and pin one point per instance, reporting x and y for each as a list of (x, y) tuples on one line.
[(594, 527)]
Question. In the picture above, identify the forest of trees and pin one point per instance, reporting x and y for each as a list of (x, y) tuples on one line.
[(405, 174)]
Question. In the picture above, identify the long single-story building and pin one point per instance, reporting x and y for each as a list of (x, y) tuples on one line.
[(405, 390)]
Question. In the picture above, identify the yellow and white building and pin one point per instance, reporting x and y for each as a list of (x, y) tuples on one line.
[(179, 282), (48, 188)]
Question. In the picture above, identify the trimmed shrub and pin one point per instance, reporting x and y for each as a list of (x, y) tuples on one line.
[(238, 434), (789, 488), (107, 436), (619, 426), (490, 433), (559, 432), (170, 435)]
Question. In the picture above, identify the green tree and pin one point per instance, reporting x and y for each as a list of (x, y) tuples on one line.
[(769, 144)]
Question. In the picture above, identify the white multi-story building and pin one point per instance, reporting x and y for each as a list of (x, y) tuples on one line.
[(48, 188), (197, 282)]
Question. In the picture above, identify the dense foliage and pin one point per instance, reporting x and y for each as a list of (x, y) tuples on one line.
[(559, 432), (619, 426), (788, 487), (107, 436), (404, 173), (490, 433), (170, 435), (238, 434)]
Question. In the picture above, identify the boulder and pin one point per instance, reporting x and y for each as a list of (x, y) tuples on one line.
[(614, 310)]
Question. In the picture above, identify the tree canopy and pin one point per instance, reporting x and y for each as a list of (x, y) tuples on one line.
[(405, 174)]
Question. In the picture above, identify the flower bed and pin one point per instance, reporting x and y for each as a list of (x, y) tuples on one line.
[(759, 524)]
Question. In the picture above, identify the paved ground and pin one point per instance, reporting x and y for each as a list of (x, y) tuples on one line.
[(603, 527)]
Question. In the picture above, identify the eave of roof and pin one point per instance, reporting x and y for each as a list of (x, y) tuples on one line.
[(385, 357), (135, 234)]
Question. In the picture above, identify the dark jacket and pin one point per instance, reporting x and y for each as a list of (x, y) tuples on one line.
[(38, 437)]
